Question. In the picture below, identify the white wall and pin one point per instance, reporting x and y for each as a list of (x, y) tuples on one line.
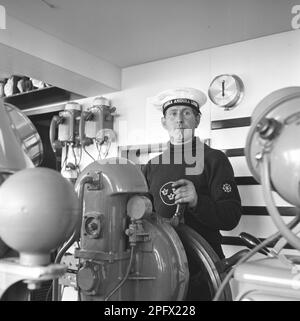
[(32, 52), (142, 82), (264, 64)]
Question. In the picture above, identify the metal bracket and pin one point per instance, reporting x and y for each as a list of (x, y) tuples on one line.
[(96, 184), (11, 272)]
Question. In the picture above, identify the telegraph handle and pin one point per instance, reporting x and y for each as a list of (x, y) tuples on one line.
[(251, 241), (178, 216)]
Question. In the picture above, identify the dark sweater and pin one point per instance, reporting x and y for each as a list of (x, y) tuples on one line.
[(219, 204)]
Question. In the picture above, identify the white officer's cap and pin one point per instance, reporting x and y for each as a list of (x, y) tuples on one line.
[(184, 96)]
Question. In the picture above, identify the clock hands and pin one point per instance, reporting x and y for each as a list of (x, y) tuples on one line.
[(223, 88)]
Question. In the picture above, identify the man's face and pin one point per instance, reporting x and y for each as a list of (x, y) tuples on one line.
[(180, 122)]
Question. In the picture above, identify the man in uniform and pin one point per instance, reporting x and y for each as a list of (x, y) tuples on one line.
[(192, 173)]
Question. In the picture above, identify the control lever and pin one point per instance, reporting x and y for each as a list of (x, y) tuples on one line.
[(251, 241), (225, 264), (175, 219)]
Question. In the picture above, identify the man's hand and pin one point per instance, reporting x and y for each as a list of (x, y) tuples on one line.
[(185, 192)]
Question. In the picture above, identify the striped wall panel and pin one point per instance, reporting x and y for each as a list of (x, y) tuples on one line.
[(259, 226), (252, 195), (246, 180), (231, 123), (231, 249), (240, 166), (229, 138), (233, 152), (237, 241), (262, 211)]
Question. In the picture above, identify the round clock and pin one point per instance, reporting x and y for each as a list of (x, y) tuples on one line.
[(226, 91)]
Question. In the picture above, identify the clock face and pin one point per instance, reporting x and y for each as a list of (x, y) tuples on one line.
[(226, 90)]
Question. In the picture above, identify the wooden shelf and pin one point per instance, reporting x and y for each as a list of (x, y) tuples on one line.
[(40, 97)]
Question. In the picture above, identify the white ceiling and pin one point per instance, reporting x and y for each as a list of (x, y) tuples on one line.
[(131, 32)]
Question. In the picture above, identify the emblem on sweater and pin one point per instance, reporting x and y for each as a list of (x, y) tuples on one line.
[(167, 194), (226, 188)]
